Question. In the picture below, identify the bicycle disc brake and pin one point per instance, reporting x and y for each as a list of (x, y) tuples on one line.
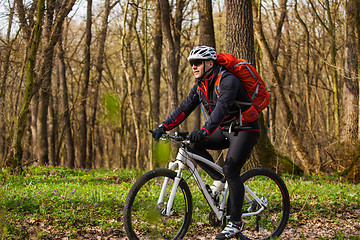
[(162, 209)]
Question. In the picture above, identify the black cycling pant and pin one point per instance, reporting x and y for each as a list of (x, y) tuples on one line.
[(240, 145)]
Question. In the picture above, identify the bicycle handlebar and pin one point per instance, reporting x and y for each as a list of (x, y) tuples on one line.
[(179, 136)]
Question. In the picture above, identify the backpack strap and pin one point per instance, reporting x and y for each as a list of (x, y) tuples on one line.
[(217, 82), (201, 104), (246, 65), (256, 91)]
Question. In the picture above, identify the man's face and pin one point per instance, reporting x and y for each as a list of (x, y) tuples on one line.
[(199, 67)]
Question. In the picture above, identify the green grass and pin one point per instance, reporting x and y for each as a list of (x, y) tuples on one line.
[(54, 202), (322, 195), (61, 201)]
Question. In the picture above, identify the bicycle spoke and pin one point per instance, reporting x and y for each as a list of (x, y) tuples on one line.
[(148, 218)]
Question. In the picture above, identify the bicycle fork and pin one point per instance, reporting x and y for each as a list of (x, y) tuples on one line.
[(168, 210)]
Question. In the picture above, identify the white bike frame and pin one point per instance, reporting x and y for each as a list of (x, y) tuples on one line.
[(185, 158)]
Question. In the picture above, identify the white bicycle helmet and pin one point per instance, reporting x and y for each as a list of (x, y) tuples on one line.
[(202, 52)]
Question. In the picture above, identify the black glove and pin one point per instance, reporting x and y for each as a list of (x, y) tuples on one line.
[(157, 133), (198, 136)]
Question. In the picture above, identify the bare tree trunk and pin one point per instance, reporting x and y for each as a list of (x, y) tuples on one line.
[(239, 29), (21, 119), (84, 91), (3, 84), (352, 66), (172, 46), (53, 127), (53, 28), (350, 89), (69, 141), (156, 66), (139, 76), (45, 89), (129, 84), (34, 109), (206, 23), (43, 150), (279, 28), (99, 69), (5, 69), (353, 171), (122, 119), (139, 81), (148, 91)]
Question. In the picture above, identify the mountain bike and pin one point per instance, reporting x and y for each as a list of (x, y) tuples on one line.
[(160, 204)]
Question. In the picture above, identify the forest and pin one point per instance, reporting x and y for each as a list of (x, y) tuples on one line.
[(82, 81)]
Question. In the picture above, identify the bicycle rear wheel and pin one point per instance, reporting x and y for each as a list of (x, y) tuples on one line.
[(268, 186), (144, 217)]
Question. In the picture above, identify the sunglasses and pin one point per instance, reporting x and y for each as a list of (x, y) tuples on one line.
[(196, 62)]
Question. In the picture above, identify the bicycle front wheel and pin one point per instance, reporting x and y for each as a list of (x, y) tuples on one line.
[(144, 215), (271, 189)]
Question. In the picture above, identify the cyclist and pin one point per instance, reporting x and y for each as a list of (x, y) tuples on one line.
[(221, 129)]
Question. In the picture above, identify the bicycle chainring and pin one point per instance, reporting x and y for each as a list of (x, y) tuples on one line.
[(213, 219)]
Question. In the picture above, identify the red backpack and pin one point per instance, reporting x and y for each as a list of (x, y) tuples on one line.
[(252, 82)]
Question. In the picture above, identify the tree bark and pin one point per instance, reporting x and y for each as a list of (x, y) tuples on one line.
[(353, 21), (239, 29), (45, 89), (3, 85), (156, 66), (156, 76), (125, 62), (172, 46), (350, 88), (353, 171), (69, 141), (206, 24), (279, 28), (53, 127), (52, 28), (5, 69), (20, 123), (99, 70), (84, 91)]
